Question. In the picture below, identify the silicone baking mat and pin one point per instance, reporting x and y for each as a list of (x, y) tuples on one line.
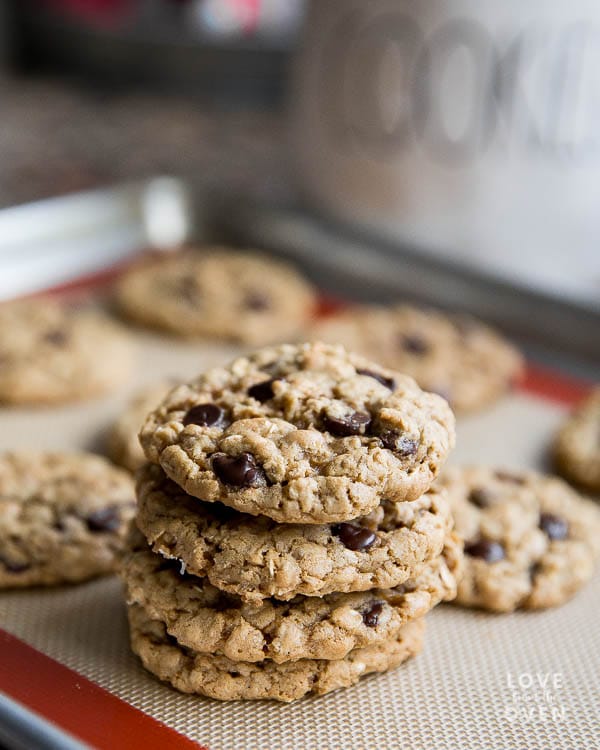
[(527, 680)]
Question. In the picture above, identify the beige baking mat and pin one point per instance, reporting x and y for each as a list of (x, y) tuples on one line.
[(483, 681)]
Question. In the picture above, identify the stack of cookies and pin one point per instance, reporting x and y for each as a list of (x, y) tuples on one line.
[(287, 538)]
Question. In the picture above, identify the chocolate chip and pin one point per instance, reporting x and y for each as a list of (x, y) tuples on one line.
[(396, 441), (354, 423), (486, 549), (555, 527), (480, 497), (188, 289), (14, 567), (535, 570), (205, 415), (56, 337), (388, 382), (239, 471), (371, 616), (262, 391), (354, 537), (256, 301), (414, 344), (105, 519)]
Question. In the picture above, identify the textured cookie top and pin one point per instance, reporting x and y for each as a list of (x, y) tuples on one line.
[(577, 444), (224, 679), (51, 353), (241, 296), (62, 516), (306, 433), (456, 356), (255, 557), (205, 619), (123, 445), (530, 540)]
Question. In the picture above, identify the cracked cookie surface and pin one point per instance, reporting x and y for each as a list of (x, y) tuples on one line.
[(63, 517), (256, 558), (218, 292), (52, 353), (205, 619), (219, 677), (301, 433), (577, 444), (461, 358), (531, 541)]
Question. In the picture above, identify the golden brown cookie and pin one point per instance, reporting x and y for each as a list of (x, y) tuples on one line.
[(577, 444), (205, 619), (221, 678), (240, 296), (304, 433), (255, 558), (530, 540), (465, 361), (63, 517), (53, 353)]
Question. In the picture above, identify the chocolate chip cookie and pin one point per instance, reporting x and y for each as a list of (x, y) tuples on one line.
[(218, 292), (205, 619), (218, 677), (301, 433), (123, 445), (577, 444), (63, 517), (52, 353), (255, 558), (458, 357), (530, 540)]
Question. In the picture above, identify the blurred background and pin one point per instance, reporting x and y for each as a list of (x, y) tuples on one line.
[(447, 152)]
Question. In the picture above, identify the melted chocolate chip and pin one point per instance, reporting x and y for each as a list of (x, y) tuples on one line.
[(257, 302), (56, 337), (486, 549), (388, 382), (105, 519), (414, 344), (205, 415), (14, 567), (262, 391), (371, 615), (238, 471), (354, 537), (396, 441), (355, 423), (480, 497), (555, 527)]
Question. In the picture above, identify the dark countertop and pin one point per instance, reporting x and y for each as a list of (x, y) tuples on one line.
[(58, 138)]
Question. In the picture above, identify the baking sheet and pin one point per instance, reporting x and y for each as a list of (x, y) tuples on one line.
[(528, 680)]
